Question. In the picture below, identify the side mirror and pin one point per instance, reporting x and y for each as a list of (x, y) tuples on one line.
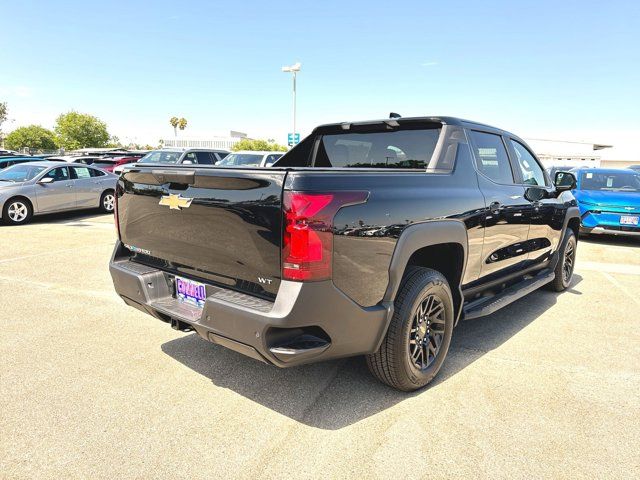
[(45, 180), (187, 162), (564, 181)]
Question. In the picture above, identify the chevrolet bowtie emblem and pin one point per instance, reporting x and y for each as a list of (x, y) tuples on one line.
[(175, 202)]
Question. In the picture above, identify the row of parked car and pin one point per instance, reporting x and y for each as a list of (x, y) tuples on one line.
[(114, 160), (609, 199), (32, 185)]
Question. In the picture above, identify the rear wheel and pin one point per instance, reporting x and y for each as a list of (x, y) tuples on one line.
[(17, 211), (566, 263), (108, 201), (418, 337)]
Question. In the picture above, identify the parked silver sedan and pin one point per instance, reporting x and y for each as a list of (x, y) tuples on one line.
[(34, 188)]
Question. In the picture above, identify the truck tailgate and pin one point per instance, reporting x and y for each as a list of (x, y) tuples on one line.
[(219, 225)]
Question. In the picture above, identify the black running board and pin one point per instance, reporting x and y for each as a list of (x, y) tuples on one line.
[(488, 305)]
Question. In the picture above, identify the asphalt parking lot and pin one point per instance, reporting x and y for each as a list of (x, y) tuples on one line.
[(547, 387)]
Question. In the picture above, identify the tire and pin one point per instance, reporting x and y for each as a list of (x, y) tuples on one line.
[(566, 263), (107, 201), (400, 360), (17, 211)]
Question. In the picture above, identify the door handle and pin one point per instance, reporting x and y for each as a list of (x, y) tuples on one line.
[(495, 207)]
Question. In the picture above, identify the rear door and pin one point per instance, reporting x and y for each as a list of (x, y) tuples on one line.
[(57, 195), (507, 214), (87, 188), (222, 226)]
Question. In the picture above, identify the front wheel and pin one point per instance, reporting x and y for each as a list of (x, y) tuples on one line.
[(566, 263), (17, 211), (418, 337), (108, 201)]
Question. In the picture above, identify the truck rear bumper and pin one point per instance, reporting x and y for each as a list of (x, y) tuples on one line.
[(307, 322)]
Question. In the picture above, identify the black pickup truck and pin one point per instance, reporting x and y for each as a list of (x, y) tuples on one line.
[(369, 238)]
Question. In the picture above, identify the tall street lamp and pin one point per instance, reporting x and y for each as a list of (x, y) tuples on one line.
[(294, 69)]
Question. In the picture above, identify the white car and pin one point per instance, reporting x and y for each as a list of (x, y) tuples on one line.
[(248, 158)]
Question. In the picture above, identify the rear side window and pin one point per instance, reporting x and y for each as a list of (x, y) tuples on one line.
[(96, 173), (411, 149), (80, 172), (491, 157), (204, 158)]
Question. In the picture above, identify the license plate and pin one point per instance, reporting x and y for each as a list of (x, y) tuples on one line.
[(188, 291), (628, 220)]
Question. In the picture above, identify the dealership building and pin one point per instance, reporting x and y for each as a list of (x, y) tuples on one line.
[(582, 154), (224, 142)]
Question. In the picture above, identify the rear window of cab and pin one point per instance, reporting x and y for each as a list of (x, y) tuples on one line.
[(410, 149)]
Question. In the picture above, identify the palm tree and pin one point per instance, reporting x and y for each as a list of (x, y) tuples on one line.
[(174, 123), (182, 123)]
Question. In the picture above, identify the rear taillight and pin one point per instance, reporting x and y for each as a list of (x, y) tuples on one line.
[(307, 245)]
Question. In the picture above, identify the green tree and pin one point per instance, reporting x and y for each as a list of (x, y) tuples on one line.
[(33, 137), (78, 130), (249, 144)]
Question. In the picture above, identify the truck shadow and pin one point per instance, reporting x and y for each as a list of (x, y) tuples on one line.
[(335, 394)]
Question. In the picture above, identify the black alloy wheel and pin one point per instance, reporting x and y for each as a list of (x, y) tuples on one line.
[(427, 331)]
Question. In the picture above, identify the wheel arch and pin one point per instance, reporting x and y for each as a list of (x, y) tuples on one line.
[(572, 220), (440, 245), (104, 192), (19, 197)]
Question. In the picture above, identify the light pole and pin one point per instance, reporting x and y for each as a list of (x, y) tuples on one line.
[(294, 69)]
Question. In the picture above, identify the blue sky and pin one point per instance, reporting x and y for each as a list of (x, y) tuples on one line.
[(563, 69)]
